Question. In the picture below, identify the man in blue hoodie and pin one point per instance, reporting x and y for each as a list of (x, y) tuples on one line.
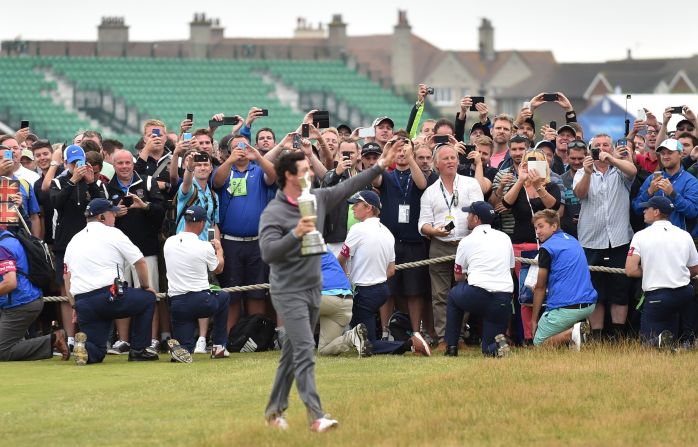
[(672, 182)]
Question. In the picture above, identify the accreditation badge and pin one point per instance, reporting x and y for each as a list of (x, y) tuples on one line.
[(403, 214), (238, 187)]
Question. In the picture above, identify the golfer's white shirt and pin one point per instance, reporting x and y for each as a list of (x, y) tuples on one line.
[(666, 251), (487, 257)]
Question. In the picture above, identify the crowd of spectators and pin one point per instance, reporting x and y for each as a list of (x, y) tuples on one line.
[(413, 210)]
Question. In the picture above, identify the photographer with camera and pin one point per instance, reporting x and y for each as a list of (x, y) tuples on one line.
[(603, 189), (97, 290), (242, 183), (140, 216), (336, 226), (459, 124)]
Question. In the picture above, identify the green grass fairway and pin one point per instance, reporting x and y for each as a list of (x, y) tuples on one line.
[(598, 397)]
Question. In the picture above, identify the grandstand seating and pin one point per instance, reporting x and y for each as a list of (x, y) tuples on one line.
[(168, 89)]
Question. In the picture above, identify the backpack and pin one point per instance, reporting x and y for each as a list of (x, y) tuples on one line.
[(400, 326), (41, 267), (172, 218), (253, 333)]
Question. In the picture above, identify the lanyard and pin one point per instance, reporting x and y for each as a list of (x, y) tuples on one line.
[(454, 198), (406, 191)]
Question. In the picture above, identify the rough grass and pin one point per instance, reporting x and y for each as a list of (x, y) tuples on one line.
[(621, 395)]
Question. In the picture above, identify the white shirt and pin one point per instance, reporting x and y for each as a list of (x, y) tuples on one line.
[(666, 251), (434, 206), (371, 247), (28, 175), (188, 260), (487, 257), (604, 216), (93, 254)]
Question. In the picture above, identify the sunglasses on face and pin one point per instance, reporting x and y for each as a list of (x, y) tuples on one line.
[(685, 129)]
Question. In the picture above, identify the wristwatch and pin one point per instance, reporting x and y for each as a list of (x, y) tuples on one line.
[(54, 163)]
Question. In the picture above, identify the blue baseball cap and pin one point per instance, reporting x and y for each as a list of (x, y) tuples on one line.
[(74, 153), (368, 197), (481, 209), (99, 206), (661, 203), (195, 213)]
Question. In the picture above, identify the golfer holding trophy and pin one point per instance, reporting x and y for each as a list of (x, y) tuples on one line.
[(290, 237)]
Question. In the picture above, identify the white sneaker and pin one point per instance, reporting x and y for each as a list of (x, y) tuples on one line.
[(154, 347), (119, 347), (580, 331), (358, 337), (279, 422), (323, 424), (200, 347)]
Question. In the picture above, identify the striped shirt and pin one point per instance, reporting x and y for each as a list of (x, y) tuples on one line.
[(604, 217), (507, 218)]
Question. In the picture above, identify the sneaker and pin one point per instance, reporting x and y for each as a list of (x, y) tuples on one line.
[(323, 424), (80, 351), (359, 339), (177, 352), (154, 347), (665, 341), (219, 352), (419, 345), (200, 347), (503, 349), (279, 422), (119, 347), (580, 333)]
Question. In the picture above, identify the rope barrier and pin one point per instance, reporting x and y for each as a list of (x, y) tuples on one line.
[(407, 265)]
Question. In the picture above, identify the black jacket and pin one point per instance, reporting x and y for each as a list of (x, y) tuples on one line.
[(139, 225), (70, 200)]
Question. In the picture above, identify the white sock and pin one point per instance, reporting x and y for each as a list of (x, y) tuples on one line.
[(165, 335), (71, 340), (202, 338)]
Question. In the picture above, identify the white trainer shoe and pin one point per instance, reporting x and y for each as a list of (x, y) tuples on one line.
[(200, 347), (323, 424)]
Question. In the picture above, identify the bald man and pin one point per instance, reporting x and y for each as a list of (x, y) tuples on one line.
[(140, 215)]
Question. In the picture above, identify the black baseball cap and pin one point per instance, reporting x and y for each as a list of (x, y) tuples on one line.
[(371, 148)]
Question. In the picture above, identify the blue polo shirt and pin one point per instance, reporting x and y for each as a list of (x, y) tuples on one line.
[(334, 280), (13, 259), (684, 198), (239, 214), (569, 281), (398, 188)]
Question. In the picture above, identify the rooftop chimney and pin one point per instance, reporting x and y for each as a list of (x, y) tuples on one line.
[(337, 36), (402, 62), (112, 36), (487, 53)]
